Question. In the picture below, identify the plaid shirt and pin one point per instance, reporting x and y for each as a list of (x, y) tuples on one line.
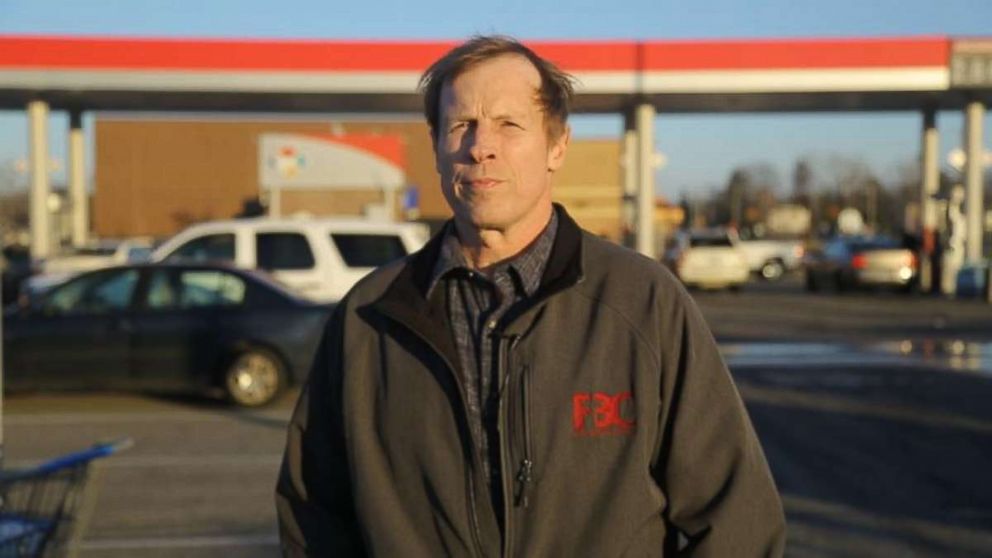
[(475, 303)]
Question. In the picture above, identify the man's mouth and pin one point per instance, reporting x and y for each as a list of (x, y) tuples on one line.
[(481, 183)]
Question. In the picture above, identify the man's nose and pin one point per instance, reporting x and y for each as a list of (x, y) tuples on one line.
[(482, 144)]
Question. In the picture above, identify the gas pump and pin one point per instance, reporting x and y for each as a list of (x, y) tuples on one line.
[(952, 257)]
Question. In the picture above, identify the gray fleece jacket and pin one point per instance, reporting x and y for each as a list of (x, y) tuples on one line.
[(622, 433)]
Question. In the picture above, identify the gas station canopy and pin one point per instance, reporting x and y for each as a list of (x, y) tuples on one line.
[(156, 74)]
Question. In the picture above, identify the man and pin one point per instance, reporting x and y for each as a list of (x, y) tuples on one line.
[(519, 387)]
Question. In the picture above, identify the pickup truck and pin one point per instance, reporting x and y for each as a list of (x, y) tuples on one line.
[(771, 259)]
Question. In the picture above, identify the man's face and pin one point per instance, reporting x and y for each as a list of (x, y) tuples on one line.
[(492, 148)]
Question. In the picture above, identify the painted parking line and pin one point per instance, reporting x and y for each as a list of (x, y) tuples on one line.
[(799, 399), (61, 419), (193, 461), (949, 355), (180, 542), (172, 461)]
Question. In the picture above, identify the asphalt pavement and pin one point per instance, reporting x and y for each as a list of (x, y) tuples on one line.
[(872, 409), (198, 481), (783, 311)]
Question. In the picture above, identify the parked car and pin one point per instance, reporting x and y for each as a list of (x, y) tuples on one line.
[(972, 278), (164, 327), (858, 261), (709, 259), (104, 253), (771, 259), (321, 258)]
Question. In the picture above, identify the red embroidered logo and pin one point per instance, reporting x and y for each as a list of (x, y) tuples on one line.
[(600, 414)]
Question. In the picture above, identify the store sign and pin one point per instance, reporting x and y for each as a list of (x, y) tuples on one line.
[(971, 64), (329, 162)]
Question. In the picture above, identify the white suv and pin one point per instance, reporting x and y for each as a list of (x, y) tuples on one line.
[(320, 258)]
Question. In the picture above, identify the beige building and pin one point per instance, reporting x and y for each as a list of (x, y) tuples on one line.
[(155, 176)]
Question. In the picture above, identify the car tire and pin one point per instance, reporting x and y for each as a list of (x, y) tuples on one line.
[(811, 284), (840, 283), (254, 378), (907, 289), (772, 270)]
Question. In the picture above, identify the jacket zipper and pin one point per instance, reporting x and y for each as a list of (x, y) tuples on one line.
[(527, 464), (473, 506), (504, 435), (473, 509), (474, 516)]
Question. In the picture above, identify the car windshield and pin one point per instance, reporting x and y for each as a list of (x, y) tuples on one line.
[(273, 283), (94, 293), (97, 251), (207, 248), (873, 244), (707, 241), (139, 254), (368, 250)]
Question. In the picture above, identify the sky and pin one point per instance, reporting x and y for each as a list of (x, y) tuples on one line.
[(701, 150)]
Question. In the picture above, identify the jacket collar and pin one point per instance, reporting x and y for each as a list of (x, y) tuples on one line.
[(405, 300), (564, 267)]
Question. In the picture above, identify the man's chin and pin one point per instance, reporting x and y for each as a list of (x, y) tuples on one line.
[(482, 220), (487, 224), (491, 218)]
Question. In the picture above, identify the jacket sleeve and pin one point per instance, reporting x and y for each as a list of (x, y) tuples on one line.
[(722, 500), (314, 502)]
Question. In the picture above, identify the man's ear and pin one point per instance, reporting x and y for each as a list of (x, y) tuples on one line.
[(556, 153)]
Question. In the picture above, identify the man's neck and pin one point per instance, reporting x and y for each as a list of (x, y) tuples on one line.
[(483, 248)]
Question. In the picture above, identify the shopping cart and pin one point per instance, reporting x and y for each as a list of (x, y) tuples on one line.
[(39, 505)]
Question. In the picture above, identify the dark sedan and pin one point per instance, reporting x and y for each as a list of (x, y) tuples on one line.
[(164, 327)]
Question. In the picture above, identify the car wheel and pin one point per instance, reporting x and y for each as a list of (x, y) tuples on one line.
[(254, 378), (811, 284), (908, 288), (840, 283), (772, 270)]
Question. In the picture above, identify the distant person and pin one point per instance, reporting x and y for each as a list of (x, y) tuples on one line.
[(519, 387)]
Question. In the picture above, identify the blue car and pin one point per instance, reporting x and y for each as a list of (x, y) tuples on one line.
[(971, 280), (164, 327)]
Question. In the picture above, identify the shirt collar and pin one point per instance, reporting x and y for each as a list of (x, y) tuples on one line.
[(528, 265)]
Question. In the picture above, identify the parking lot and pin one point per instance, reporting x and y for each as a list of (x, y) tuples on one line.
[(198, 482), (872, 408), (784, 311)]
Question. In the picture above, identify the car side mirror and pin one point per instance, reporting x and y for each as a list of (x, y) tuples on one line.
[(28, 304), (23, 305)]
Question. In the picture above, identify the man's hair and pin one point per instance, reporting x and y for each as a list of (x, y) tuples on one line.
[(554, 95)]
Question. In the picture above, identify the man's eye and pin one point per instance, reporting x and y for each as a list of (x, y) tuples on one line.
[(511, 124), (456, 126)]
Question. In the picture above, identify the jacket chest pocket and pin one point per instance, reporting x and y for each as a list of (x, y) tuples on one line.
[(586, 406), (558, 415)]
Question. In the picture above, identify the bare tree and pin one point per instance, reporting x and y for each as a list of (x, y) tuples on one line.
[(11, 180), (750, 193), (802, 182)]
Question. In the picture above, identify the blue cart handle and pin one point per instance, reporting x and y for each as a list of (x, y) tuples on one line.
[(71, 459)]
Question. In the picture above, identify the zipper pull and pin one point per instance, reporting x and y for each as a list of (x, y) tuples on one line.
[(524, 478)]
